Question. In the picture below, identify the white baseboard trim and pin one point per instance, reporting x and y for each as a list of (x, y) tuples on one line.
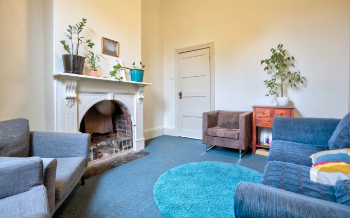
[(170, 131), (152, 133)]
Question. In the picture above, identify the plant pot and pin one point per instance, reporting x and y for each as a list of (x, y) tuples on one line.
[(93, 73), (73, 63), (282, 101), (136, 75)]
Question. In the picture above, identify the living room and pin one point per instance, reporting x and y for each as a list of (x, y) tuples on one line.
[(138, 108)]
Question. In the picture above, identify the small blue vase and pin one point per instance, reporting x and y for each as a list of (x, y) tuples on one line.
[(136, 75)]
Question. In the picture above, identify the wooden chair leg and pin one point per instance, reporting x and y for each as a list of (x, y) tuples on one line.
[(82, 180)]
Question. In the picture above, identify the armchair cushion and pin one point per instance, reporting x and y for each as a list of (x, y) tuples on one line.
[(26, 204), (223, 132), (18, 174), (292, 152), (229, 119), (296, 178), (342, 192), (14, 138), (69, 172)]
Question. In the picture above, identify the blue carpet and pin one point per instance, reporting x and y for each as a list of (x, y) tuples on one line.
[(203, 189), (127, 191)]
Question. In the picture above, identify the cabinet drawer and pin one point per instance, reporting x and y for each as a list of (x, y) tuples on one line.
[(264, 122), (281, 113), (263, 112)]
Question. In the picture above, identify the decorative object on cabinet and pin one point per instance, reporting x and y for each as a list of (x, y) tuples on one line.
[(279, 63), (263, 117), (93, 60), (110, 47), (72, 62)]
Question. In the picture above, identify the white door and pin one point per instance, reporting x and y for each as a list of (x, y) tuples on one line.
[(193, 85)]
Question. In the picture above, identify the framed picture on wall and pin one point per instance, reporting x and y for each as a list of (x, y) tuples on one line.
[(110, 47)]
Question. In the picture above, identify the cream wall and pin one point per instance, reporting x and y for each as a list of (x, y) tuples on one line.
[(152, 57), (21, 61), (316, 32), (118, 20)]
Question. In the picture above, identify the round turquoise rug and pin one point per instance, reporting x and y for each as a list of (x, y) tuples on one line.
[(202, 189)]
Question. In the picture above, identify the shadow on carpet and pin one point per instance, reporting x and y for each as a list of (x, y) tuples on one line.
[(202, 189), (102, 166)]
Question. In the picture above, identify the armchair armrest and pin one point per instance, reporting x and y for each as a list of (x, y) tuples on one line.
[(210, 119), (245, 127), (257, 200), (19, 175), (315, 131), (56, 145)]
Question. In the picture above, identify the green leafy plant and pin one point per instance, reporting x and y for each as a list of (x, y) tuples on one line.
[(114, 72), (142, 66), (76, 30), (280, 63), (93, 60)]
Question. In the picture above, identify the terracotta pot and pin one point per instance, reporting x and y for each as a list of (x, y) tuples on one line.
[(73, 63), (93, 73)]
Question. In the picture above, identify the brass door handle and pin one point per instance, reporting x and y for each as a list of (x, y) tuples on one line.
[(281, 114), (180, 95), (263, 113)]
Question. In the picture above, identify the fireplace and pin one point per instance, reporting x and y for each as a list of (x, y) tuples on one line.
[(111, 112), (109, 124)]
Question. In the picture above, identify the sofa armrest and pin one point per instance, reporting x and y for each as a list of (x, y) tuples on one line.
[(245, 127), (316, 131), (257, 200), (19, 174), (56, 145), (50, 168), (210, 119)]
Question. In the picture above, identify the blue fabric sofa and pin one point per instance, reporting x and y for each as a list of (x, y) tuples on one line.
[(286, 189)]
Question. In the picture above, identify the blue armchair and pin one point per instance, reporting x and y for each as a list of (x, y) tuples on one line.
[(286, 189)]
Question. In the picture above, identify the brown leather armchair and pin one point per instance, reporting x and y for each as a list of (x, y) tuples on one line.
[(231, 129)]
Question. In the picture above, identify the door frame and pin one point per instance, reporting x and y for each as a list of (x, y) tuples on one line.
[(211, 47)]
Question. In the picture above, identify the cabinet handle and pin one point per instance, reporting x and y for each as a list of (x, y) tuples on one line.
[(268, 121), (281, 114), (263, 113)]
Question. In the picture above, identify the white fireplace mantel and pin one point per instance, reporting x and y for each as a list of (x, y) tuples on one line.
[(75, 94)]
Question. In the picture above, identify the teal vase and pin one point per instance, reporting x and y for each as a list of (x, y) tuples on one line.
[(136, 75)]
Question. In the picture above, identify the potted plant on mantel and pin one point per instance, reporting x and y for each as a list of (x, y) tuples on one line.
[(73, 63), (137, 73), (280, 63), (93, 59)]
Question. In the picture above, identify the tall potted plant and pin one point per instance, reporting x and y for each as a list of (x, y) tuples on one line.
[(93, 60), (279, 63), (72, 62)]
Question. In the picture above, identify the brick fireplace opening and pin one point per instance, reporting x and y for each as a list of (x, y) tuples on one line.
[(109, 124)]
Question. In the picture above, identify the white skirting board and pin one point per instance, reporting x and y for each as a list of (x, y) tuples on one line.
[(152, 133)]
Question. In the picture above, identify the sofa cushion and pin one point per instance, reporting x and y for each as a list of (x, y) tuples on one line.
[(25, 204), (296, 178), (14, 138), (223, 132), (68, 173), (341, 136), (297, 153), (342, 192)]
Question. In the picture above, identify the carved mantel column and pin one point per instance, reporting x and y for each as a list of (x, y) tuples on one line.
[(70, 91)]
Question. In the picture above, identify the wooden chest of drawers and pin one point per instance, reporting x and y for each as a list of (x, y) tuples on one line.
[(263, 117)]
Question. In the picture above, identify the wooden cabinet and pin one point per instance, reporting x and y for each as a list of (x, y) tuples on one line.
[(263, 117)]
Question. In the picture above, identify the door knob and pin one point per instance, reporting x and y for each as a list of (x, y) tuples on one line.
[(180, 95)]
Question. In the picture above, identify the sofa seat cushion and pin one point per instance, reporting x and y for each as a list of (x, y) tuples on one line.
[(14, 138), (223, 132), (292, 152), (341, 136), (296, 178), (25, 204), (68, 173)]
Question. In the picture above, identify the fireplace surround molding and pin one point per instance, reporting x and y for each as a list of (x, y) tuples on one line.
[(76, 94)]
